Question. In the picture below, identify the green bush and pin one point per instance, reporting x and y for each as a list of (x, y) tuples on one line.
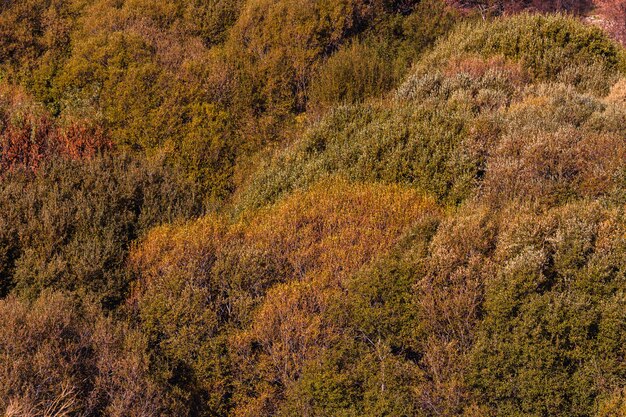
[(419, 140), (372, 369), (70, 225), (210, 20), (547, 46), (351, 75), (372, 65), (553, 325)]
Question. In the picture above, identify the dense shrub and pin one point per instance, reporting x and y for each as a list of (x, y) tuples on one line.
[(70, 224), (547, 46), (26, 131), (417, 140), (211, 20), (553, 328), (551, 150), (30, 29), (29, 136), (59, 356), (116, 75), (354, 73), (204, 277), (447, 243), (376, 63), (282, 43)]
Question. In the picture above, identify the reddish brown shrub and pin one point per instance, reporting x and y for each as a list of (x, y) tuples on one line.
[(614, 13), (450, 296), (81, 139), (25, 130), (29, 134)]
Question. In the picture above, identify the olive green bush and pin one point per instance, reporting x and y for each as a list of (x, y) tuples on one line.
[(549, 47), (70, 225), (371, 66), (310, 208), (417, 140), (552, 332)]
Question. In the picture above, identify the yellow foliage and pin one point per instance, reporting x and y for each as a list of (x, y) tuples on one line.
[(314, 238), (617, 94), (325, 234), (614, 405)]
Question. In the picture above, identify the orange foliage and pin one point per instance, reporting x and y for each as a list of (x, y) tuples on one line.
[(314, 239), (288, 329), (321, 235), (185, 248), (25, 129), (325, 234), (337, 227)]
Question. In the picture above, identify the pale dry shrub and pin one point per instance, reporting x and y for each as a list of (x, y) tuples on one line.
[(450, 296)]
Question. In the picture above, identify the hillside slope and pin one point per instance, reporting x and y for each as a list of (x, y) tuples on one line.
[(439, 231)]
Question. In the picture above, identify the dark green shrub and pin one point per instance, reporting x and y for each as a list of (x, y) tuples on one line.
[(70, 224), (371, 66), (351, 75), (553, 331)]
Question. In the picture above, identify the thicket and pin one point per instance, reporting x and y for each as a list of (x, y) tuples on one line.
[(61, 356), (421, 142), (224, 286), (310, 208), (69, 226), (206, 83), (551, 48), (30, 136)]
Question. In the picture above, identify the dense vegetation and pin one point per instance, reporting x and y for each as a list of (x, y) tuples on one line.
[(311, 208)]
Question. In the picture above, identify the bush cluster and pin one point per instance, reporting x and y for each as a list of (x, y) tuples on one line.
[(310, 208)]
